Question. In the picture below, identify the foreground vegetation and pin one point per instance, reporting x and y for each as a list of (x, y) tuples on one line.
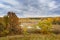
[(10, 29), (33, 37)]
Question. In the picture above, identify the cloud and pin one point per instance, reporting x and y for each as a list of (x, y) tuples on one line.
[(12, 2), (2, 5), (39, 8), (5, 8), (52, 5), (30, 8)]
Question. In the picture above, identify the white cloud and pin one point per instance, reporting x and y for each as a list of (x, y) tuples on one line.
[(33, 8), (16, 6), (43, 11), (43, 1), (52, 5), (13, 2), (2, 5)]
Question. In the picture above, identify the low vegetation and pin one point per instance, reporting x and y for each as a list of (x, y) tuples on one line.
[(9, 26), (32, 37)]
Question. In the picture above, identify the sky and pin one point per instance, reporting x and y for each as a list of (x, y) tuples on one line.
[(30, 8)]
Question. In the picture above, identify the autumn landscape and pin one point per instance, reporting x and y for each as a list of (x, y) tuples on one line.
[(29, 19), (41, 28)]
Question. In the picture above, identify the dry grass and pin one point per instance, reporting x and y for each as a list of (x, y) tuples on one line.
[(33, 37)]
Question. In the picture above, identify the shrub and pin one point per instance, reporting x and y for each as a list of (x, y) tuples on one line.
[(45, 26)]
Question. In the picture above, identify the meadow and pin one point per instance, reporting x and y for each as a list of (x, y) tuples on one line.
[(31, 29), (33, 37)]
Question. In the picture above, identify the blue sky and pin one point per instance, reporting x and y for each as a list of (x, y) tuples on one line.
[(31, 8)]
